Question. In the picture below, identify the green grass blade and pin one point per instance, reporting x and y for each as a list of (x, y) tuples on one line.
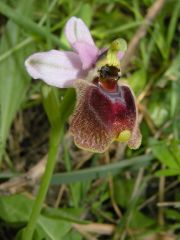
[(13, 79), (28, 25), (101, 171), (172, 26)]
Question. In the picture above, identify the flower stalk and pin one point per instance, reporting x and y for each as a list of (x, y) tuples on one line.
[(55, 138)]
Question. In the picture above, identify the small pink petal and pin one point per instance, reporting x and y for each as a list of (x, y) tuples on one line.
[(120, 55), (87, 53), (77, 31), (56, 68)]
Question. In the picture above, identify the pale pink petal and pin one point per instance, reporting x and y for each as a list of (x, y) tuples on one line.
[(77, 31), (120, 55), (56, 68), (87, 53)]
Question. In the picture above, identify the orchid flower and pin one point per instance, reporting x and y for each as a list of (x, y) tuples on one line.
[(105, 110)]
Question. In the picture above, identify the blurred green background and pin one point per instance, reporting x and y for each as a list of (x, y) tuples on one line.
[(124, 195)]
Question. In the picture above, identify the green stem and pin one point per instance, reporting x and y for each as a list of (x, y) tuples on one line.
[(54, 143)]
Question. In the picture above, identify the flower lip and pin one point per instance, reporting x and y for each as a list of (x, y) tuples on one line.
[(102, 116)]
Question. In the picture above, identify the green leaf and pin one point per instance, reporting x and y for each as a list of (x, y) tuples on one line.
[(139, 220), (122, 191), (53, 229), (68, 214), (15, 208), (162, 153), (73, 235), (158, 112), (76, 193), (167, 172), (138, 80), (175, 149)]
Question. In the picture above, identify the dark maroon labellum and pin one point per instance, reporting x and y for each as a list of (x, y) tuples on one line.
[(101, 115), (104, 110), (116, 109)]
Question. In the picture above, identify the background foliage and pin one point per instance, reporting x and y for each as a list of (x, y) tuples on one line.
[(136, 198)]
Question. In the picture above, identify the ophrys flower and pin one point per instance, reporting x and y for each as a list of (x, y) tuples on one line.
[(105, 109)]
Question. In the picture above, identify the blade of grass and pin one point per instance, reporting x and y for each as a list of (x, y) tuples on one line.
[(172, 25), (13, 86), (119, 29), (13, 78), (28, 40), (29, 25), (101, 171)]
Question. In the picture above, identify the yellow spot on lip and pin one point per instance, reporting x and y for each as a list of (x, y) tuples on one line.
[(124, 136)]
